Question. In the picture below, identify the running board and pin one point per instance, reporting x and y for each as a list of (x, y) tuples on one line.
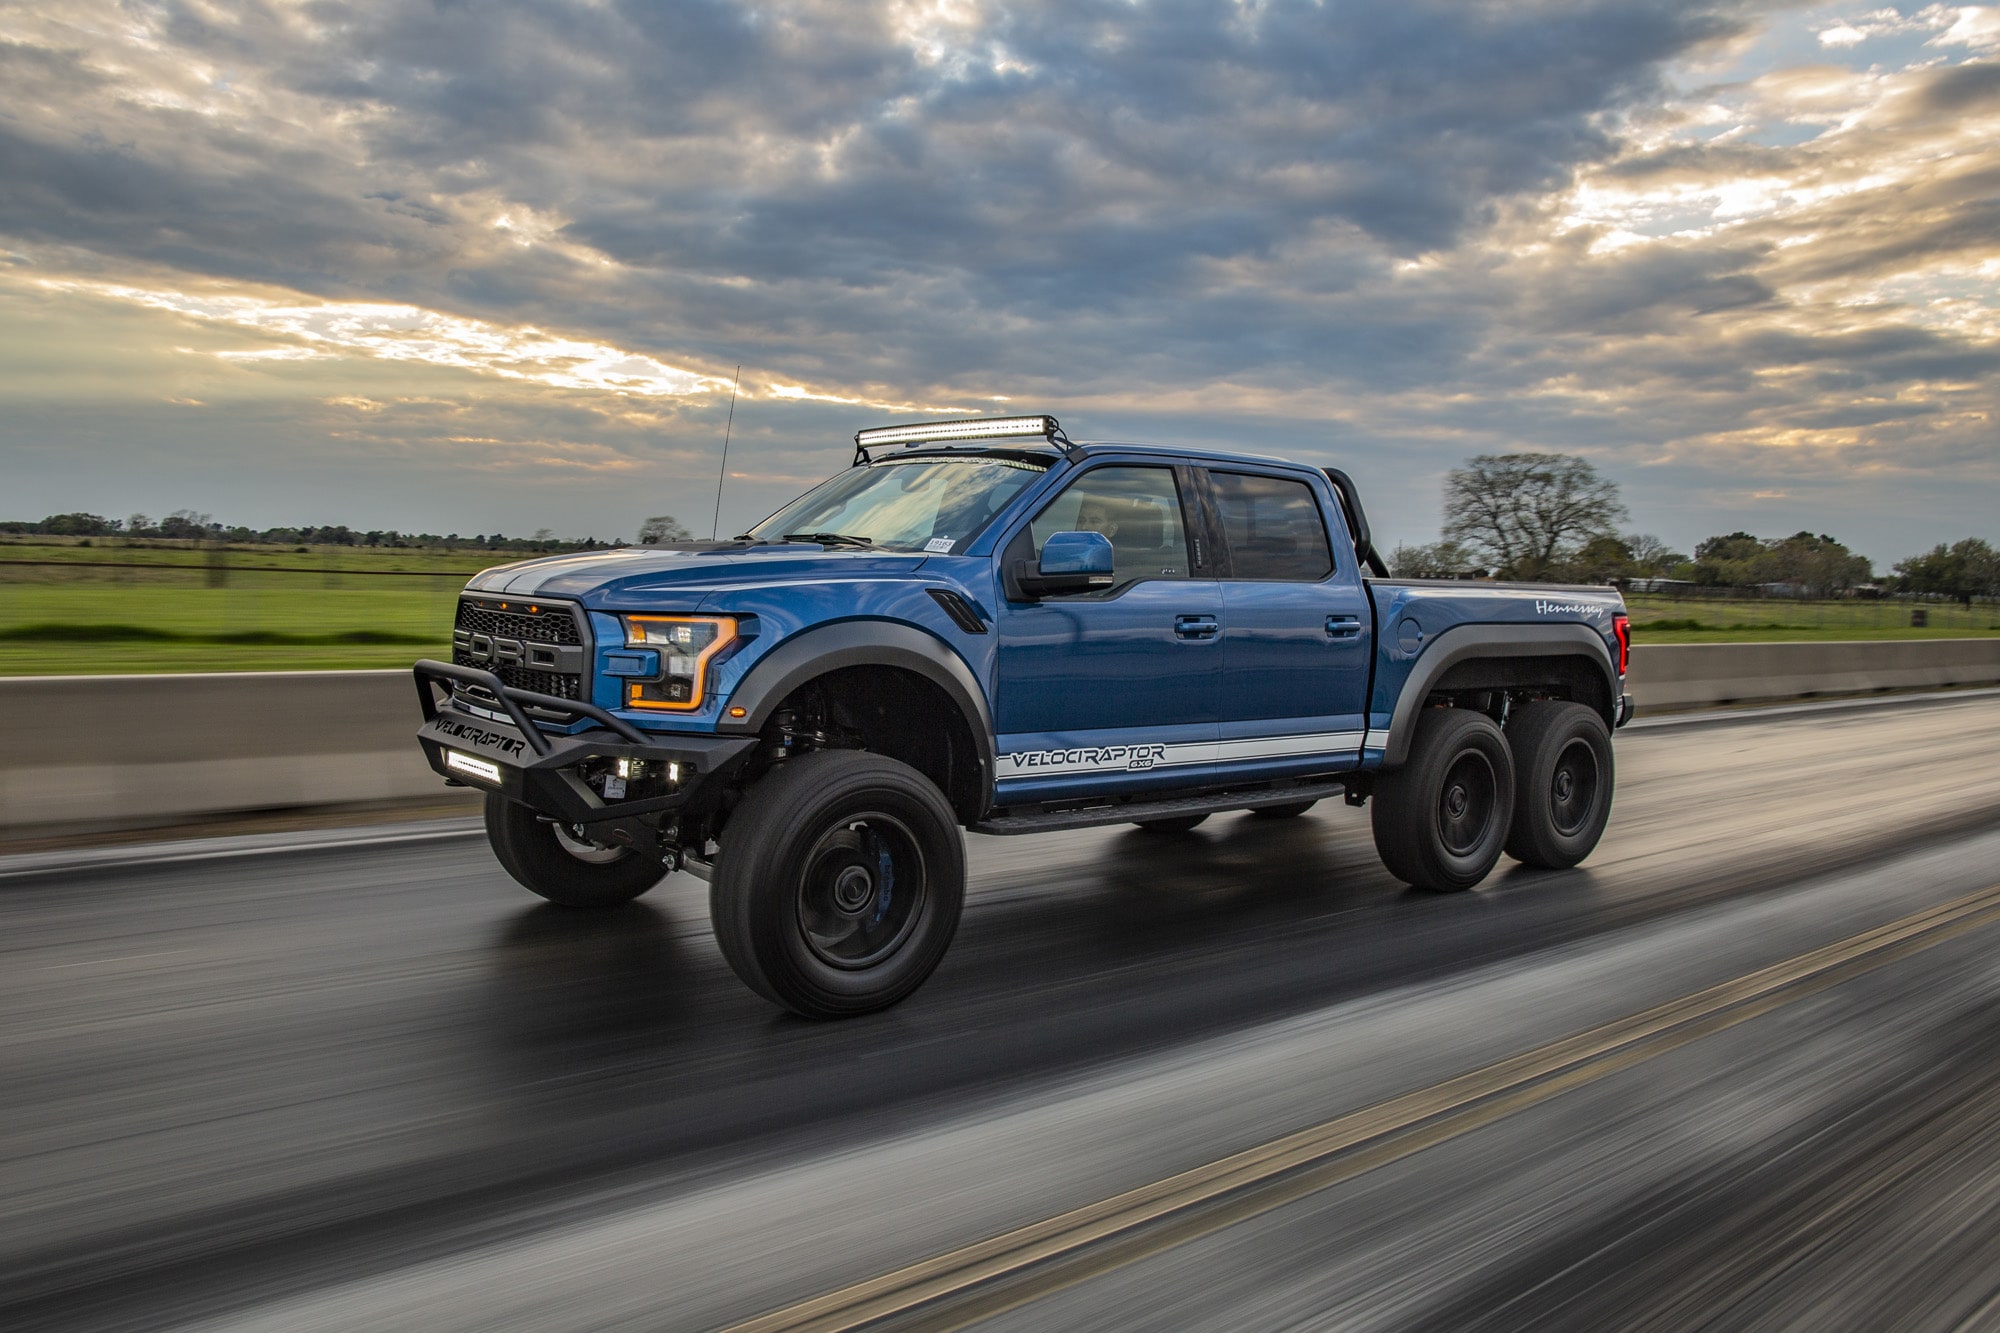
[(1134, 810)]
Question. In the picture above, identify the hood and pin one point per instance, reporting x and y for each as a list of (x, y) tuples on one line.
[(599, 577)]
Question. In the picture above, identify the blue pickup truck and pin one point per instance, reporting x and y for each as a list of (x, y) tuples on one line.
[(983, 625)]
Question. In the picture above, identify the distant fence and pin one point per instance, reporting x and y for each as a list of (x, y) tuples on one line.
[(156, 749)]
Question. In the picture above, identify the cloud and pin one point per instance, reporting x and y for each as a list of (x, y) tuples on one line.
[(1669, 232)]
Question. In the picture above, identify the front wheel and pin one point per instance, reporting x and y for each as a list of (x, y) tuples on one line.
[(561, 862), (839, 883), (1441, 819), (1562, 757)]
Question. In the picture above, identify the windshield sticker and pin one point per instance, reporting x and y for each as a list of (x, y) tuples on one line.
[(940, 545)]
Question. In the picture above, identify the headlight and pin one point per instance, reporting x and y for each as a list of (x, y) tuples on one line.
[(685, 644)]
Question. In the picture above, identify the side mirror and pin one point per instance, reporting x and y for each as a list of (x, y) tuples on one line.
[(1070, 562)]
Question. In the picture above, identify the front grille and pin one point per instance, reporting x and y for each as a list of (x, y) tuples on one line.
[(542, 682), (550, 626), (481, 626)]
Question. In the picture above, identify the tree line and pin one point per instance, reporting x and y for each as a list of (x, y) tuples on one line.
[(186, 525), (1553, 517)]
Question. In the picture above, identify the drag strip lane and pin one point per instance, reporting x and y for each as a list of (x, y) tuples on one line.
[(992, 1276)]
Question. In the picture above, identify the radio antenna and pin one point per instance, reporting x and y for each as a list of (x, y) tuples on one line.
[(715, 524)]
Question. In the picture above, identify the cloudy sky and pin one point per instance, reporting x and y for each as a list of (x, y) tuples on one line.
[(479, 266)]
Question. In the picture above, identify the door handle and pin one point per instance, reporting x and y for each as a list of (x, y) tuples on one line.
[(1196, 627), (1343, 627)]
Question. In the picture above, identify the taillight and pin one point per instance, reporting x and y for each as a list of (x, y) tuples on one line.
[(1622, 627)]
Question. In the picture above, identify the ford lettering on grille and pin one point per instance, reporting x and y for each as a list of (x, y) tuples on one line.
[(492, 650)]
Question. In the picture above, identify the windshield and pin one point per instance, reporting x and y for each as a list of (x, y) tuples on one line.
[(918, 504)]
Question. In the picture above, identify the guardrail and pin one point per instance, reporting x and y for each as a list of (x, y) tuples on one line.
[(155, 749)]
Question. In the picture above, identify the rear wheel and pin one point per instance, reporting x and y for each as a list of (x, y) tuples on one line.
[(1562, 759), (1176, 824), (1441, 819), (1290, 810), (562, 862), (839, 884)]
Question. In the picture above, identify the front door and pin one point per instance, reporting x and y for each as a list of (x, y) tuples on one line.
[(1117, 689), (1297, 640)]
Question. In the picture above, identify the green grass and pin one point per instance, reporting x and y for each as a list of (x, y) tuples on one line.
[(70, 618), (282, 623), (1771, 620)]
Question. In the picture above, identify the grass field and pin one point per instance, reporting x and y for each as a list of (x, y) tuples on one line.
[(66, 614), (63, 613), (1768, 620)]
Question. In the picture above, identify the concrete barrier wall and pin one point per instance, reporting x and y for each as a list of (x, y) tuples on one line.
[(93, 749), (85, 749), (1674, 676)]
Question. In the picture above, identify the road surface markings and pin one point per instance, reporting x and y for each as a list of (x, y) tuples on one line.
[(989, 1277)]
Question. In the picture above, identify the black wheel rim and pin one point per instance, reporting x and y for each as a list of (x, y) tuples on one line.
[(861, 891), (1466, 803), (1573, 787)]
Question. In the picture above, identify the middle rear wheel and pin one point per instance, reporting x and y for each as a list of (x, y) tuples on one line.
[(1442, 818)]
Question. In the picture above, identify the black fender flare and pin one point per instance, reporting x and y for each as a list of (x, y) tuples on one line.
[(1467, 643), (853, 643)]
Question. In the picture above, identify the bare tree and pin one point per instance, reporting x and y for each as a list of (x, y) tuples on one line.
[(1650, 555), (1528, 512), (661, 528)]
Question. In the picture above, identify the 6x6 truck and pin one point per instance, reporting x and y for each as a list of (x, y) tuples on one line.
[(982, 625)]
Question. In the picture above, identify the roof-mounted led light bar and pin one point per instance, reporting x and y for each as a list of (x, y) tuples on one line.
[(977, 428)]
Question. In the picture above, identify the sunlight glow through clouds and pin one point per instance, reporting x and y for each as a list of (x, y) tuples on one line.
[(391, 332), (410, 333)]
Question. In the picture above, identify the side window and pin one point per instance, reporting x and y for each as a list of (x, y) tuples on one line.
[(1138, 508), (1274, 527)]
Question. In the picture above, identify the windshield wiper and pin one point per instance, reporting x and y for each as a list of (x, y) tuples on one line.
[(829, 539)]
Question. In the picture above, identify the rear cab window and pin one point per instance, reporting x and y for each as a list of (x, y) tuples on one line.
[(1272, 526)]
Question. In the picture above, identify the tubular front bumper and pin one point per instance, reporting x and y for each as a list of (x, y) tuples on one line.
[(543, 771)]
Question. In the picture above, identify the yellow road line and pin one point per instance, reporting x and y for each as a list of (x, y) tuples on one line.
[(984, 1278)]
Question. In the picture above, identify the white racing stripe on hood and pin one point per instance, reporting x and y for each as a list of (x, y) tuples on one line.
[(529, 581)]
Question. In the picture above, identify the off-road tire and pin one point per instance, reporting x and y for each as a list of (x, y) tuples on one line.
[(1172, 824), (1442, 817), (1290, 810), (1563, 781), (530, 850), (803, 860)]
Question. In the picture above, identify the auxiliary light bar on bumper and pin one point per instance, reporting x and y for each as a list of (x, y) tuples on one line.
[(546, 772)]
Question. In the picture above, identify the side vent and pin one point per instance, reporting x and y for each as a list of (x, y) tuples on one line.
[(960, 611)]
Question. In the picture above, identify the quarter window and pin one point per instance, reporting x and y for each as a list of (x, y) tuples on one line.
[(1138, 508), (1273, 526)]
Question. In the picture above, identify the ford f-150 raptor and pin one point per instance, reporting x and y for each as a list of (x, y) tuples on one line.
[(982, 625)]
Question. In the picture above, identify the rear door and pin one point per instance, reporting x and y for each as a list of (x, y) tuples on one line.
[(1297, 639), (1118, 689)]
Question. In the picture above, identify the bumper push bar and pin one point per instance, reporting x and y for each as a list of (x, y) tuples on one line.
[(563, 776)]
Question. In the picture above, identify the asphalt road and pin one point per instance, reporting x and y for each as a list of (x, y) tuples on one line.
[(381, 1087)]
